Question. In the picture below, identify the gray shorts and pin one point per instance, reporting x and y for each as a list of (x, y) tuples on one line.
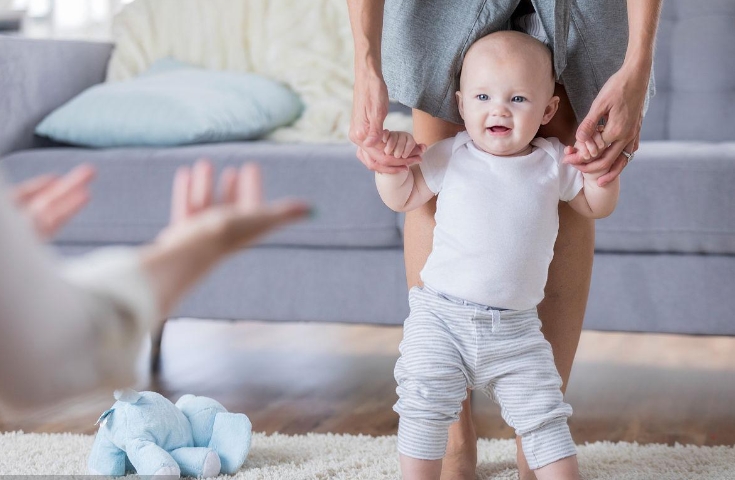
[(424, 42)]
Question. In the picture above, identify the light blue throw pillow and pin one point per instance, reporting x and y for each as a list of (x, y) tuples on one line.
[(173, 104)]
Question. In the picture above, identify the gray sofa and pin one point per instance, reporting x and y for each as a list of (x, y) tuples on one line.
[(665, 260)]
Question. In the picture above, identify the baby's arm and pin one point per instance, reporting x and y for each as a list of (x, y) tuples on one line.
[(594, 201), (405, 190)]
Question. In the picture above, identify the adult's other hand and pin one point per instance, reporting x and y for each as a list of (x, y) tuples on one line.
[(620, 104), (369, 109)]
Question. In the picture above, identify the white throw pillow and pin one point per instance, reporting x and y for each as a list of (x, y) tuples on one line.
[(306, 45)]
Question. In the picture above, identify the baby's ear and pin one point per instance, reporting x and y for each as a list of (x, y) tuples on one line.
[(458, 94), (550, 110)]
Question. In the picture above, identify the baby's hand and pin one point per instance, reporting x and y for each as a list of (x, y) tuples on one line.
[(401, 144), (586, 151)]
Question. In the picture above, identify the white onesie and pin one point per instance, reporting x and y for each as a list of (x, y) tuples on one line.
[(496, 220)]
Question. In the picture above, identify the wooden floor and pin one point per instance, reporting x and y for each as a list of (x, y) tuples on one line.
[(298, 378)]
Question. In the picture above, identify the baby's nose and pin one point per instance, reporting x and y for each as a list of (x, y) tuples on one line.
[(499, 110)]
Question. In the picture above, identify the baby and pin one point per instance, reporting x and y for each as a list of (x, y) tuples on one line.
[(474, 322)]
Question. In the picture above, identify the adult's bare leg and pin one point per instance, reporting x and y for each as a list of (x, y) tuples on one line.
[(419, 224), (567, 288), (460, 460)]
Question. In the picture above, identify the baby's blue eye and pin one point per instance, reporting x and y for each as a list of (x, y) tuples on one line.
[(518, 99), (482, 97)]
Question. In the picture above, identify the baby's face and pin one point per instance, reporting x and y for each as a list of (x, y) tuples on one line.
[(503, 100)]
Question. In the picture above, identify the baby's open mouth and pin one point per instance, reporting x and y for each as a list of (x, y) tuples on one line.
[(499, 129)]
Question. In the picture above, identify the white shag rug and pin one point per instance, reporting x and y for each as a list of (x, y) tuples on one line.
[(328, 456)]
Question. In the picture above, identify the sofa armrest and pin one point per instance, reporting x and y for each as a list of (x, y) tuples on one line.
[(37, 76)]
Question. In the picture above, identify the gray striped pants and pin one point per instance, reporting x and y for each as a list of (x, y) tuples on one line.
[(449, 345)]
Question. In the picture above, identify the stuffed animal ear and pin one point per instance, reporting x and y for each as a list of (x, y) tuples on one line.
[(127, 395), (103, 417), (185, 399)]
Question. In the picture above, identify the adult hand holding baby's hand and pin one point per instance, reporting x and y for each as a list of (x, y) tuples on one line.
[(582, 154), (590, 149), (620, 102), (401, 144), (369, 109)]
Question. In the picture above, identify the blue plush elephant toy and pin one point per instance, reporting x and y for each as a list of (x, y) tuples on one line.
[(145, 433)]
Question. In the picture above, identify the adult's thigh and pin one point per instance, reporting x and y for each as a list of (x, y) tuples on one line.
[(418, 234), (567, 288)]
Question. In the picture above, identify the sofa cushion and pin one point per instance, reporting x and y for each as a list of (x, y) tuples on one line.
[(685, 294), (695, 73), (675, 197), (131, 193), (173, 103)]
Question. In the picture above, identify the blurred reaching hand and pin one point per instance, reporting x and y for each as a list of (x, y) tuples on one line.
[(236, 215), (50, 201)]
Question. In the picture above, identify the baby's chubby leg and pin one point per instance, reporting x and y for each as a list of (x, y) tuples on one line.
[(527, 386), (432, 383), (566, 469), (415, 469)]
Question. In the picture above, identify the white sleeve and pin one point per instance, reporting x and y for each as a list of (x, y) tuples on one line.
[(62, 334), (571, 180), (434, 163), (115, 274)]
